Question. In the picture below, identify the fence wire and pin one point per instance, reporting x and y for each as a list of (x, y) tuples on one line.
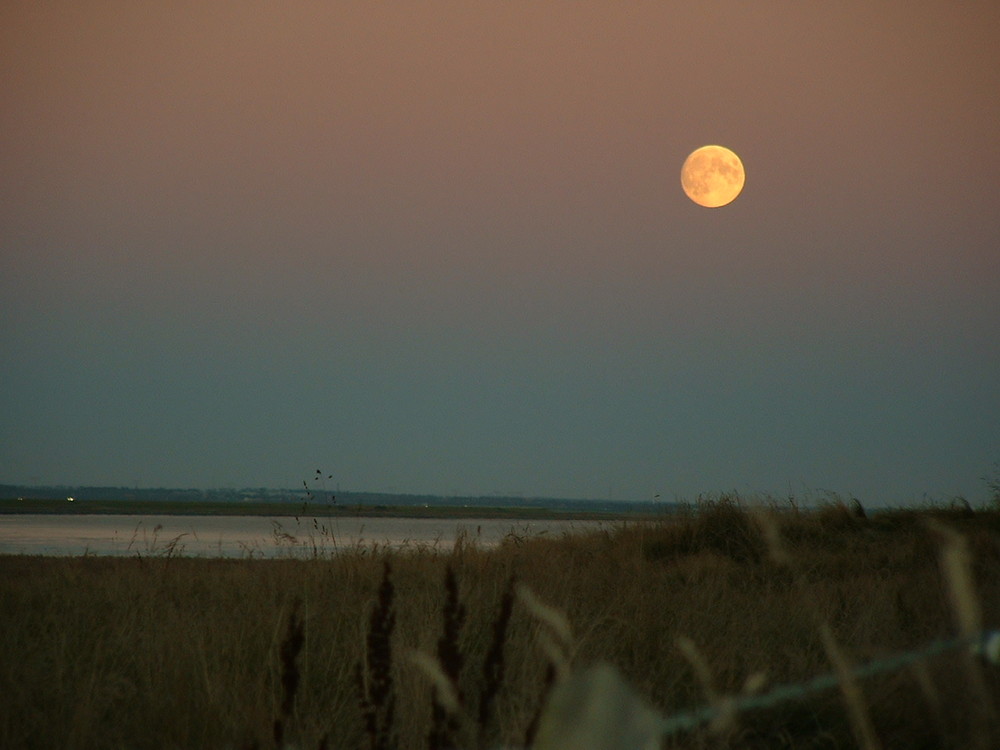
[(985, 645), (594, 709)]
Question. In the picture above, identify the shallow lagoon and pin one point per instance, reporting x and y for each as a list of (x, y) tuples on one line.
[(256, 536)]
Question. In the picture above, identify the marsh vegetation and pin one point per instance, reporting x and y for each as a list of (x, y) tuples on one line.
[(459, 647)]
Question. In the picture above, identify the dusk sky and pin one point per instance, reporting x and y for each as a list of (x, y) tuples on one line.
[(443, 247)]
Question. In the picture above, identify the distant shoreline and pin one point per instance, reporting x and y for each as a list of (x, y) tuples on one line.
[(307, 509)]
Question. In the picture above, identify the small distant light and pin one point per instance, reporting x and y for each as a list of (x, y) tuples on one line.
[(71, 499)]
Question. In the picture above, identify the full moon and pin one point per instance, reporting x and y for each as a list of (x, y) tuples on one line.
[(712, 176)]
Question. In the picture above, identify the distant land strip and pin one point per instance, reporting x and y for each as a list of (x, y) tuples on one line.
[(130, 501), (168, 508)]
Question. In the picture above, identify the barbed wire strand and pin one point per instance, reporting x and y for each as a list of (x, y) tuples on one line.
[(985, 644)]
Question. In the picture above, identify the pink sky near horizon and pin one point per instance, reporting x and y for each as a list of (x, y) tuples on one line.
[(458, 234)]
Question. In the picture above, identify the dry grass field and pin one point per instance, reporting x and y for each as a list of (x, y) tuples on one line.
[(459, 648)]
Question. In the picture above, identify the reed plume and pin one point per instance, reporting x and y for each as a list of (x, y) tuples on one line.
[(493, 667), (289, 652), (444, 722), (373, 678)]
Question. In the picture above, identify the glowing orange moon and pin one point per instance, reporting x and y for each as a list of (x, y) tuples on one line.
[(712, 176)]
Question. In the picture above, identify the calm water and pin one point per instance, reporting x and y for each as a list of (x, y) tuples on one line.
[(254, 536)]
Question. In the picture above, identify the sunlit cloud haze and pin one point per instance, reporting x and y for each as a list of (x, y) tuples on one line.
[(444, 248)]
